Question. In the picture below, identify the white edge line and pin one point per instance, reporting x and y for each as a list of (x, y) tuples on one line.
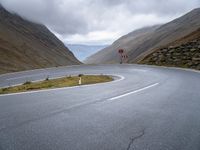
[(129, 93), (63, 88)]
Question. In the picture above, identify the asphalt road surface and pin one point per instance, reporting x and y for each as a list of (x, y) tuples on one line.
[(145, 108)]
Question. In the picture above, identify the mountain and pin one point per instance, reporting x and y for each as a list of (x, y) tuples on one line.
[(144, 44), (26, 45), (110, 53), (168, 33), (184, 52), (83, 51)]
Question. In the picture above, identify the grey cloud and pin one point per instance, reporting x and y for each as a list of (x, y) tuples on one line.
[(160, 7), (72, 17), (51, 13), (109, 3)]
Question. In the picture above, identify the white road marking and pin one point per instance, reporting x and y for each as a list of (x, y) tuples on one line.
[(139, 70), (121, 77), (64, 88), (129, 93)]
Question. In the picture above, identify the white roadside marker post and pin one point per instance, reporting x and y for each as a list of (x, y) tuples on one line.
[(80, 82)]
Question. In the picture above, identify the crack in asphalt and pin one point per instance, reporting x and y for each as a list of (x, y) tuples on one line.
[(132, 139)]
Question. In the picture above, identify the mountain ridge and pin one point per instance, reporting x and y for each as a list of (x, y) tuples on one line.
[(110, 52), (26, 45), (176, 29), (137, 48)]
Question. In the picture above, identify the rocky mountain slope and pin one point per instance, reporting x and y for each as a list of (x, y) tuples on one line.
[(146, 43), (110, 53), (25, 45), (184, 52)]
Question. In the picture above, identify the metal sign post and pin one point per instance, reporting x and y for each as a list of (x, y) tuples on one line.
[(121, 51), (123, 56)]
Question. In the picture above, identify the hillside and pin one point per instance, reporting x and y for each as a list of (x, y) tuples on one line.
[(110, 54), (184, 52), (26, 45), (145, 43)]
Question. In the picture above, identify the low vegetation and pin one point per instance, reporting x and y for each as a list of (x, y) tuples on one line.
[(186, 55), (56, 83)]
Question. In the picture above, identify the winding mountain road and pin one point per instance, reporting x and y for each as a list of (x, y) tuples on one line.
[(145, 108)]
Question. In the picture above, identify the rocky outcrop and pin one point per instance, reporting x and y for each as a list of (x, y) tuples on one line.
[(186, 54)]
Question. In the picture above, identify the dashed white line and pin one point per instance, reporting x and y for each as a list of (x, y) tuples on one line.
[(132, 92)]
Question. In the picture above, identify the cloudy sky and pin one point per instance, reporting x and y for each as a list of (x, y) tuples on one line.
[(98, 21)]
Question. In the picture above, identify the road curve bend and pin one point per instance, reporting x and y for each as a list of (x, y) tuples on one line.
[(150, 108)]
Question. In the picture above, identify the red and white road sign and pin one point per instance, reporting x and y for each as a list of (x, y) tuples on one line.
[(120, 51)]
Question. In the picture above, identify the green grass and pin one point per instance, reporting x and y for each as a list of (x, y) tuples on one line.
[(56, 83)]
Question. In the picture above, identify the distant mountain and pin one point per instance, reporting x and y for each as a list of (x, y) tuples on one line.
[(168, 33), (26, 45), (184, 52), (83, 51), (110, 53), (145, 43)]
